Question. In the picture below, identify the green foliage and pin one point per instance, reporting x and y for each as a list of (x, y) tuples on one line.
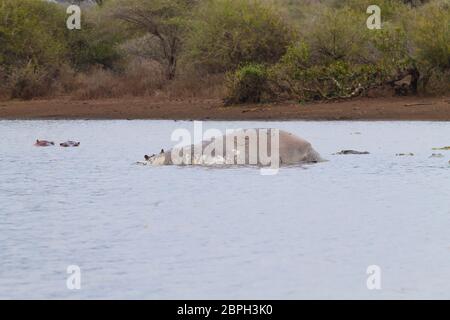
[(32, 46), (94, 44), (297, 56), (389, 50), (248, 84), (431, 35), (269, 49), (228, 33), (36, 46), (30, 32), (298, 77), (161, 21), (339, 57), (31, 81), (391, 9), (34, 31), (338, 34)]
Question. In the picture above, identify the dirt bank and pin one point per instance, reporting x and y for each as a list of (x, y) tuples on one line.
[(396, 108)]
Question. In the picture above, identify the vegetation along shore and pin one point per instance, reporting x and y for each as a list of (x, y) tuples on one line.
[(225, 59)]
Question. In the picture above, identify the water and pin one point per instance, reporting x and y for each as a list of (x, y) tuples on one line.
[(184, 232)]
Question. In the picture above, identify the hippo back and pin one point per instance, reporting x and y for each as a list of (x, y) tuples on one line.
[(229, 148)]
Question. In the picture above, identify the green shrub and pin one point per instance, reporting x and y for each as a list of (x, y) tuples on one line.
[(31, 81), (228, 33), (391, 10), (338, 34), (340, 58), (95, 44), (4, 90), (269, 49), (298, 76), (31, 32), (389, 52), (36, 47), (297, 56), (248, 84), (334, 81), (430, 34)]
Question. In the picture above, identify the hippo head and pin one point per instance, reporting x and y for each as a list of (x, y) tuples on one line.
[(303, 153), (158, 159), (43, 143)]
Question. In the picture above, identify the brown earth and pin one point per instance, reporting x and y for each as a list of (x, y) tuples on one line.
[(393, 108)]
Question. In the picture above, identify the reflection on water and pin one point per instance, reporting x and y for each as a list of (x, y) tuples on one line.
[(191, 232)]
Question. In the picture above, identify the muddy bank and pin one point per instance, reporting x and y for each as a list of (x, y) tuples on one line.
[(395, 108)]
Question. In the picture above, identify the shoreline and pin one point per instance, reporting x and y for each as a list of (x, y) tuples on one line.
[(152, 108)]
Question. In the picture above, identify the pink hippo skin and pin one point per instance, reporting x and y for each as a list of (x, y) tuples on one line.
[(44, 143)]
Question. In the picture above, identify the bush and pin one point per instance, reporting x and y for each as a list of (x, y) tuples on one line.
[(228, 33), (336, 80), (391, 10), (4, 90), (389, 47), (137, 47), (30, 32), (338, 34), (94, 44), (340, 58), (139, 78), (36, 47), (390, 54), (30, 81), (248, 84), (431, 35)]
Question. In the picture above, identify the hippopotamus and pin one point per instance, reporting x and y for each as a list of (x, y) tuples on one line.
[(260, 147), (44, 143), (69, 144)]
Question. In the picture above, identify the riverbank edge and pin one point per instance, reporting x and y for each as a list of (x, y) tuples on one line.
[(152, 108)]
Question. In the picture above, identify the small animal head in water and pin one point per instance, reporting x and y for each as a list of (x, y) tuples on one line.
[(70, 144), (44, 143)]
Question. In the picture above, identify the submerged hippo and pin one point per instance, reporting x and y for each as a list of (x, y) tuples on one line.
[(44, 143), (261, 147), (69, 144)]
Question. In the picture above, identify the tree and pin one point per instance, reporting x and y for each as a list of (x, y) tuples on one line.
[(227, 34), (162, 21), (30, 33), (430, 37)]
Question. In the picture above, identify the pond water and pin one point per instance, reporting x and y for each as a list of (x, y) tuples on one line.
[(193, 232)]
